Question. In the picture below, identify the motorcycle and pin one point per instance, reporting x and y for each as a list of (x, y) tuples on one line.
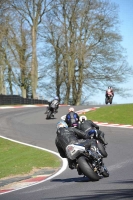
[(88, 162), (109, 99)]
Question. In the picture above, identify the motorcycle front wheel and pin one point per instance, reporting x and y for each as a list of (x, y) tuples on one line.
[(102, 149), (49, 113), (106, 101), (87, 169)]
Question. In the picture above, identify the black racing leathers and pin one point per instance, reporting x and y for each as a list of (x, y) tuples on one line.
[(53, 106), (88, 125), (66, 136)]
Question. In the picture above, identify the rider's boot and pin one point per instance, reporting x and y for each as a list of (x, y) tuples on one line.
[(71, 164)]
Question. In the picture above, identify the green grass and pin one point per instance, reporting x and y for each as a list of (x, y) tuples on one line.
[(118, 114), (20, 159)]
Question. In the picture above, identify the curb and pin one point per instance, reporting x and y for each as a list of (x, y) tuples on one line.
[(29, 106), (16, 183)]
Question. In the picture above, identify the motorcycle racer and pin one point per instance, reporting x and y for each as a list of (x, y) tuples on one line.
[(72, 118), (91, 128), (69, 135), (109, 91), (54, 105)]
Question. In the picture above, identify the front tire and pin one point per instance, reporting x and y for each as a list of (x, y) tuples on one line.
[(87, 169), (49, 114), (106, 101), (102, 149)]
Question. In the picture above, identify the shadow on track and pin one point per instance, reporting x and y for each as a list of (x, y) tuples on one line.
[(67, 180), (119, 194)]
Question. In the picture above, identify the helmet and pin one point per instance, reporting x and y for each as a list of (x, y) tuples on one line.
[(109, 87), (71, 109), (56, 98), (61, 123), (82, 118)]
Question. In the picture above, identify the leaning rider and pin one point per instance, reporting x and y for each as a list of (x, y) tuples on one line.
[(72, 118), (69, 135), (109, 91), (91, 128), (54, 104)]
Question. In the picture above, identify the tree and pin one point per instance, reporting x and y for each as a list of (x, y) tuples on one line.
[(81, 45), (32, 12), (3, 33), (86, 42), (22, 54)]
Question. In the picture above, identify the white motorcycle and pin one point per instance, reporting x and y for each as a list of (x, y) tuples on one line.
[(88, 162)]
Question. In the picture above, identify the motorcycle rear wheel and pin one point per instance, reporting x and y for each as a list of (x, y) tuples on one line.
[(87, 169)]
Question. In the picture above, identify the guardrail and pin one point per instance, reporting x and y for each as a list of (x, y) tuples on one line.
[(16, 99)]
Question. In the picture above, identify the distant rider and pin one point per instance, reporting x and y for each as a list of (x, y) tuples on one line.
[(72, 118), (109, 91), (91, 128), (54, 104)]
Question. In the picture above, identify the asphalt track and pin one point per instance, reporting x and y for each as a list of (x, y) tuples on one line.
[(28, 125)]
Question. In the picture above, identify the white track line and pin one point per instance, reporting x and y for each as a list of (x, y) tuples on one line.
[(63, 168)]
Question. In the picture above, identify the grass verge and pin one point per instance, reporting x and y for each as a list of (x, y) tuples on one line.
[(18, 159), (117, 114)]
